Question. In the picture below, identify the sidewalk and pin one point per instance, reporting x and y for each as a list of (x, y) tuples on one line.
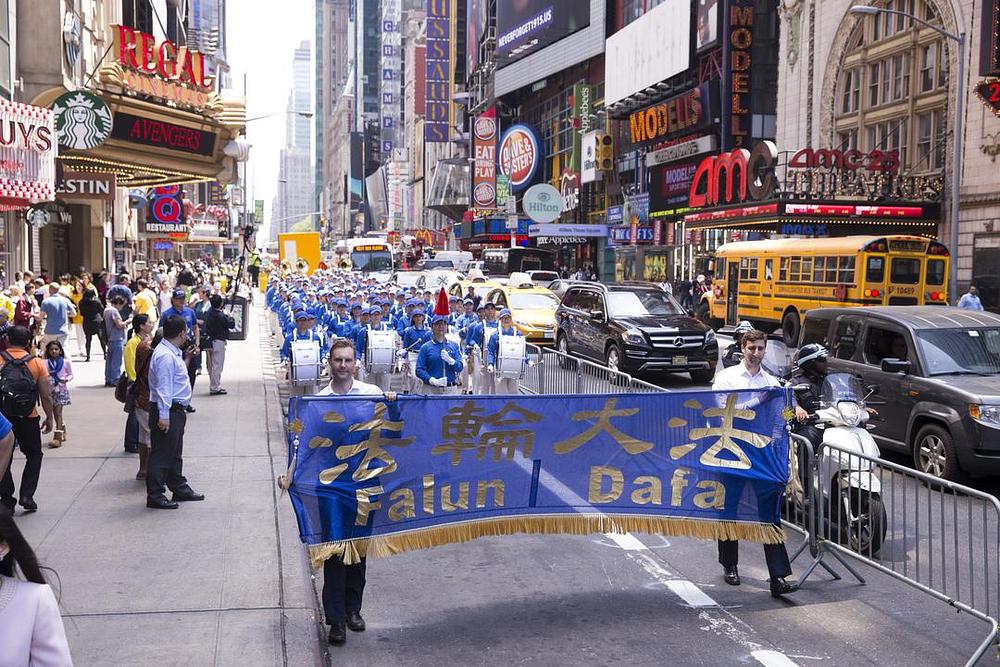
[(219, 582)]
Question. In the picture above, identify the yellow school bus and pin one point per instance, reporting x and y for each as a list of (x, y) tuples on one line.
[(773, 283)]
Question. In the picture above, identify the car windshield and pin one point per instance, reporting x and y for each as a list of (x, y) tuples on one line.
[(961, 351), (372, 261), (437, 264), (640, 304), (544, 276), (530, 300)]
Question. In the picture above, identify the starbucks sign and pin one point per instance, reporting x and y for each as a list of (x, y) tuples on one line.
[(83, 120)]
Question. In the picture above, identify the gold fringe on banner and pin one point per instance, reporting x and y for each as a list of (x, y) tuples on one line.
[(351, 551)]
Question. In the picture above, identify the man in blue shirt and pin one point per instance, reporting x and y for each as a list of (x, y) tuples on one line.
[(970, 300), (439, 363), (192, 352), (414, 336), (169, 398), (58, 311), (476, 342), (506, 328)]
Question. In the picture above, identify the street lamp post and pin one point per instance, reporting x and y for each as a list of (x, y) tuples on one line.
[(957, 143)]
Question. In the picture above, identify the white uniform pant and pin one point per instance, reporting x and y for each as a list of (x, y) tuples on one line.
[(507, 386), (302, 390), (485, 381), (381, 380), (431, 390)]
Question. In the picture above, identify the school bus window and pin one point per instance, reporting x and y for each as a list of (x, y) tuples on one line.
[(807, 269), (875, 272), (831, 269), (819, 266), (783, 269), (795, 275), (753, 268), (935, 272), (905, 270), (845, 273), (720, 268)]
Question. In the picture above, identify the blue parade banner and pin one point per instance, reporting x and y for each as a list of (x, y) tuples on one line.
[(371, 477)]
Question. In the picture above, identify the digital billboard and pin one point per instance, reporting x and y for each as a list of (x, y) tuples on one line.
[(526, 26)]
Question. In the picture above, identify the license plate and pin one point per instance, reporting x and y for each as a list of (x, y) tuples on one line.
[(680, 361), (550, 334)]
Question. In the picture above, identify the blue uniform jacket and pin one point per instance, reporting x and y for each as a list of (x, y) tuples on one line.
[(311, 334), (362, 341), (494, 347), (430, 365), (476, 332)]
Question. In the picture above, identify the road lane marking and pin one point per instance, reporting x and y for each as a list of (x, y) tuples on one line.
[(690, 593), (773, 659), (626, 541)]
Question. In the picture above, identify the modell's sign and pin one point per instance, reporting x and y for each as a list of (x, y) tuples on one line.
[(743, 175), (686, 112), (27, 154), (519, 156)]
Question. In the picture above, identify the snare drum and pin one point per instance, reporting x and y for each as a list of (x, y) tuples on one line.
[(510, 357), (306, 362), (380, 355)]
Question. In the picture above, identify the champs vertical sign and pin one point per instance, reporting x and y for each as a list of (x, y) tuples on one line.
[(741, 17), (439, 61)]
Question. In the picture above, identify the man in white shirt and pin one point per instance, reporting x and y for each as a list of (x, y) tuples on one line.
[(750, 375), (344, 585)]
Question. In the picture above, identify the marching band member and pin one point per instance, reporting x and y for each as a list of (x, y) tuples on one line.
[(454, 310), (503, 385), (415, 335), (374, 314), (304, 330), (479, 335), (439, 363)]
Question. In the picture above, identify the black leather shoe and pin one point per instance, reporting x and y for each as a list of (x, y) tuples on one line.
[(9, 504), (185, 495), (189, 408), (355, 622), (132, 449), (160, 503), (338, 634), (29, 504), (732, 575), (781, 587)]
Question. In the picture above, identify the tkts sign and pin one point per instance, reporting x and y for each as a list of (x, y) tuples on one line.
[(742, 175)]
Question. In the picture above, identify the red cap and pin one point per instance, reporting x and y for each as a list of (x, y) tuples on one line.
[(442, 307)]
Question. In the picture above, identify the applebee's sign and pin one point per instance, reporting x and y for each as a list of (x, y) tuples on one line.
[(519, 156)]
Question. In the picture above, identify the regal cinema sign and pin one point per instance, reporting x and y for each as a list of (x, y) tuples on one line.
[(519, 156), (741, 175)]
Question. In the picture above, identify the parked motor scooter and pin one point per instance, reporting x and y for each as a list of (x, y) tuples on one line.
[(849, 485)]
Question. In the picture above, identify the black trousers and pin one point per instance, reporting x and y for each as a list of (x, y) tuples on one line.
[(776, 556), (131, 432), (166, 454), (29, 441), (193, 364), (255, 275), (343, 588)]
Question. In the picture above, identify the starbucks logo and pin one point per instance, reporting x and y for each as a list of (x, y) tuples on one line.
[(83, 120)]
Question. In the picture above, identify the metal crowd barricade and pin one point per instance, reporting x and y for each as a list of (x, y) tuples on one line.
[(556, 373), (940, 537)]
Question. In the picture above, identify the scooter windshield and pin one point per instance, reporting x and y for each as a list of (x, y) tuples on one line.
[(839, 387)]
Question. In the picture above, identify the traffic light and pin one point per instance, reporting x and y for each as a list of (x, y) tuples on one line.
[(605, 152)]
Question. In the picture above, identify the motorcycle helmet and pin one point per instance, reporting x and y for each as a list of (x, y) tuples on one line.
[(808, 355), (743, 327)]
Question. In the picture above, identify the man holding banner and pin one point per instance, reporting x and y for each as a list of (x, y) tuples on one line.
[(749, 375), (344, 585)]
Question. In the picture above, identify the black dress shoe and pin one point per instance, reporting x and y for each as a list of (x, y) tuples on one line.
[(161, 503), (132, 449), (338, 634), (732, 576), (781, 587), (9, 504), (218, 392), (189, 408), (185, 495), (29, 504), (355, 622)]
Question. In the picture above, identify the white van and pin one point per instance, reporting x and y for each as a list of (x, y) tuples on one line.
[(459, 258)]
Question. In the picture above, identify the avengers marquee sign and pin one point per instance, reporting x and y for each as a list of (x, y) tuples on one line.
[(756, 175)]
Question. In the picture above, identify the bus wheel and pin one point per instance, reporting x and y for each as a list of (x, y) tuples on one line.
[(790, 327)]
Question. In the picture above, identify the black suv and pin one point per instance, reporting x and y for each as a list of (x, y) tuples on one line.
[(938, 371), (635, 327)]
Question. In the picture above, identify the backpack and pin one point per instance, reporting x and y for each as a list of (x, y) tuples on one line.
[(18, 389)]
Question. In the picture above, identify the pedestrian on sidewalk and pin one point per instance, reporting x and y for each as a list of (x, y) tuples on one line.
[(24, 383), (192, 352), (140, 389), (114, 326), (76, 322), (31, 629), (140, 323), (93, 319), (60, 374), (170, 396), (58, 311), (217, 326), (344, 585), (970, 300)]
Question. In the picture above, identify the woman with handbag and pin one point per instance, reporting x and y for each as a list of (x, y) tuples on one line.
[(137, 354)]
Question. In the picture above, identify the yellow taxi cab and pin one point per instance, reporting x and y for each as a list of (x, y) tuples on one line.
[(475, 279), (533, 308)]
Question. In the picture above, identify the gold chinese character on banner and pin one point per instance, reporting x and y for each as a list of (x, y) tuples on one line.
[(604, 425), (727, 435), (462, 431), (373, 448)]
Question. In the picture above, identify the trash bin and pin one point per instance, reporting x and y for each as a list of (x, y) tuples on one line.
[(239, 308)]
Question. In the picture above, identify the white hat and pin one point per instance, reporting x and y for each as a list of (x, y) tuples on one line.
[(700, 278)]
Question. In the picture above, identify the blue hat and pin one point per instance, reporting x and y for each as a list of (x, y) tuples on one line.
[(374, 310), (411, 302), (505, 313), (356, 305), (439, 318), (304, 315), (342, 302), (468, 301), (454, 298), (177, 294)]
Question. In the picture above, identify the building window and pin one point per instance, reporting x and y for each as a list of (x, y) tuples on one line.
[(138, 14), (631, 10), (5, 74), (930, 141), (848, 139), (850, 94), (889, 135)]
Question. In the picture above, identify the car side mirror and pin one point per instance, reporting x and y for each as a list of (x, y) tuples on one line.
[(895, 366), (597, 316)]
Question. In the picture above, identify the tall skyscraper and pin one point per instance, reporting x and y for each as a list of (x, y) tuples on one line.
[(295, 201)]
